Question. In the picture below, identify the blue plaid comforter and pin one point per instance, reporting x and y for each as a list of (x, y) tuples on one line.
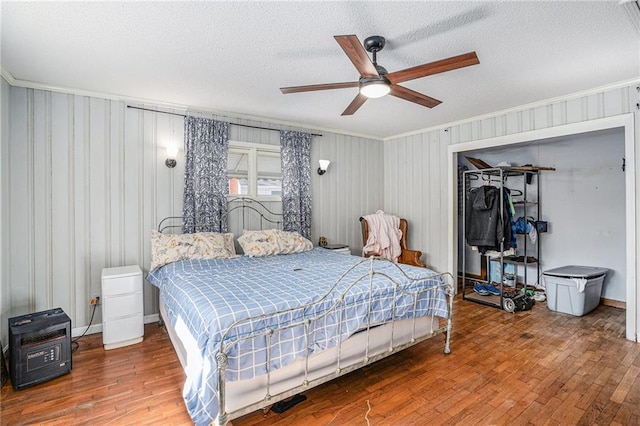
[(210, 296)]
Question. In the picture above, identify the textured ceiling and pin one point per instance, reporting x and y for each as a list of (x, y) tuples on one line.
[(232, 57)]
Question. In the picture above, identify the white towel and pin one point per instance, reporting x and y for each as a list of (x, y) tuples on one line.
[(581, 283)]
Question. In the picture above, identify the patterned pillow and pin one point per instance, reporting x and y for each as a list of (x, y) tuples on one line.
[(229, 244), (271, 242), (259, 243), (293, 242), (167, 248)]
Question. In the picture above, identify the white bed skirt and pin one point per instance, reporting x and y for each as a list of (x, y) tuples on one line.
[(243, 393)]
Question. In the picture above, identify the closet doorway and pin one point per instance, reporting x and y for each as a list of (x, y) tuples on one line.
[(589, 201)]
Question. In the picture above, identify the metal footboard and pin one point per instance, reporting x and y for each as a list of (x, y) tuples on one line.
[(233, 337)]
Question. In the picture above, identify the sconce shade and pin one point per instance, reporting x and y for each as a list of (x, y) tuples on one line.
[(324, 165), (172, 153)]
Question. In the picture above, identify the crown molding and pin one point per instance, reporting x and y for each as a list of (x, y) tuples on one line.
[(186, 109), (196, 110), (7, 76), (612, 86)]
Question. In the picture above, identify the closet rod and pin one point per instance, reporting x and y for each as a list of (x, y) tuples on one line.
[(234, 124)]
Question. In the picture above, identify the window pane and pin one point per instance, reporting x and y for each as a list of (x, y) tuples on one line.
[(237, 169), (269, 186), (238, 186), (268, 165), (237, 163)]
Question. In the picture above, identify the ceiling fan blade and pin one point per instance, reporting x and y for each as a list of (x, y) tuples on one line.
[(314, 87), (413, 96), (436, 67), (355, 104), (355, 51)]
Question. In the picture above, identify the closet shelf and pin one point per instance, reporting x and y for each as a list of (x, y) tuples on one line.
[(511, 171), (520, 259)]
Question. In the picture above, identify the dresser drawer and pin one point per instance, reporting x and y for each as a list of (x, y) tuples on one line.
[(121, 285), (122, 330), (114, 307)]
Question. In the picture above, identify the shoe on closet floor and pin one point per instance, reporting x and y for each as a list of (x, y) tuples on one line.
[(492, 289), (480, 289)]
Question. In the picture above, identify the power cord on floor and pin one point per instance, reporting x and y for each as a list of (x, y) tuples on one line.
[(74, 343)]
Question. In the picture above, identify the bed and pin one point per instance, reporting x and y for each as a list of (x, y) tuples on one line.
[(251, 331)]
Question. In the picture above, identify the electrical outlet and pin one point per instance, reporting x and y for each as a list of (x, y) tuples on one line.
[(95, 301)]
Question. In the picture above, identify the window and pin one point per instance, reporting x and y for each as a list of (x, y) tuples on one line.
[(254, 170)]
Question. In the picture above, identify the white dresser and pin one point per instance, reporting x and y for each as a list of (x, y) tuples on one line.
[(122, 306)]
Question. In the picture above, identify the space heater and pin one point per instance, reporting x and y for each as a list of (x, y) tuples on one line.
[(39, 346)]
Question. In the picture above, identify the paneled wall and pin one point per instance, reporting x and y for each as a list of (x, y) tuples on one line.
[(86, 182), (416, 165), (4, 201), (352, 187), (416, 188)]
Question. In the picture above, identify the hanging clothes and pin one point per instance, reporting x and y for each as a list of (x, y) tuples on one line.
[(486, 225), (510, 223)]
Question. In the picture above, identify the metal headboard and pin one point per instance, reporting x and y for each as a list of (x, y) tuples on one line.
[(244, 204)]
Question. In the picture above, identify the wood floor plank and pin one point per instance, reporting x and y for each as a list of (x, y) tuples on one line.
[(622, 390), (536, 367)]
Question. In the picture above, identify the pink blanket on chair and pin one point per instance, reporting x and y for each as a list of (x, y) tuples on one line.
[(384, 235)]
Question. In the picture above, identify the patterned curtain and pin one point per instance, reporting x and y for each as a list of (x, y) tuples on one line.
[(295, 151), (206, 185)]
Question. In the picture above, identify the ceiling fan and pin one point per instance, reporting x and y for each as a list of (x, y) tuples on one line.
[(375, 81)]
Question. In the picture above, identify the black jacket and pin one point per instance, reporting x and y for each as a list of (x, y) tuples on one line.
[(484, 225)]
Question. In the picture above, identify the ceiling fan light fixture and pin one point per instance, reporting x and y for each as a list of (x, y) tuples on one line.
[(375, 88)]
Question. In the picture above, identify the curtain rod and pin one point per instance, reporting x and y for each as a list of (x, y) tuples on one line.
[(234, 124)]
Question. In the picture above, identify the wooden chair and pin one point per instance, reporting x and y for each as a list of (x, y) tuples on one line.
[(408, 257)]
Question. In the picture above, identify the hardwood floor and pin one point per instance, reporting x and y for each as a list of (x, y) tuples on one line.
[(536, 367)]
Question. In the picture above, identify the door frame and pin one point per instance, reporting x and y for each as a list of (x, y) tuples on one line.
[(625, 121)]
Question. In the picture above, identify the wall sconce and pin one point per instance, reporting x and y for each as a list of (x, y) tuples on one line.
[(172, 153), (324, 165)]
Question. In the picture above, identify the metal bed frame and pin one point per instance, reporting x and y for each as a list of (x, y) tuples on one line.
[(337, 308), (369, 354), (244, 204)]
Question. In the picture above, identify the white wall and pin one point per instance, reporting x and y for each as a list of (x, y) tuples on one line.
[(583, 201), (87, 183), (415, 187), (4, 202)]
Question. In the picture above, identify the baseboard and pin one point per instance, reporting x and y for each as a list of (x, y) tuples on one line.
[(614, 303), (97, 328)]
